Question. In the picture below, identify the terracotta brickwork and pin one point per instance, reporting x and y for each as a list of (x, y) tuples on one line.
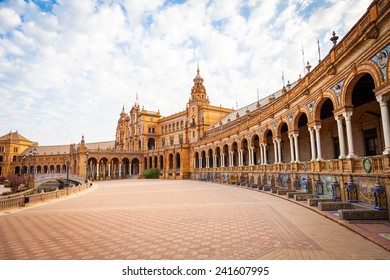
[(333, 121)]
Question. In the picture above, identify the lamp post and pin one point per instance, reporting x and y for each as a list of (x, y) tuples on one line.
[(86, 168), (23, 161), (67, 173), (33, 153)]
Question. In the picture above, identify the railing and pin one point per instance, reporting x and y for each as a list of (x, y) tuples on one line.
[(375, 165), (22, 200)]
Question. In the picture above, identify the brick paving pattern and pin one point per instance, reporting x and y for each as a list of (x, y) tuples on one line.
[(172, 220)]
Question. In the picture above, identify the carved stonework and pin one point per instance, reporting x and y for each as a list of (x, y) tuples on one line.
[(331, 70), (372, 32)]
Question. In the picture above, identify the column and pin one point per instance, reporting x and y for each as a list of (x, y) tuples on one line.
[(261, 154), (130, 168), (240, 158), (291, 148), (318, 140), (139, 169), (383, 100), (278, 141), (97, 170), (207, 161), (252, 156), (276, 150), (347, 115), (312, 144), (295, 135), (201, 162), (265, 153), (340, 130), (222, 160), (231, 159), (109, 169), (120, 169)]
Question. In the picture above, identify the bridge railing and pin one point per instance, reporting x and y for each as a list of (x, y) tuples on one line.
[(22, 200), (40, 177)]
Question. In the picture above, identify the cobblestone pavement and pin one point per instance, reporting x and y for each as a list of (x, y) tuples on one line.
[(161, 219)]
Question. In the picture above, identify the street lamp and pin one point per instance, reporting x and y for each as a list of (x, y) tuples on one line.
[(33, 153), (67, 173), (86, 168), (23, 161)]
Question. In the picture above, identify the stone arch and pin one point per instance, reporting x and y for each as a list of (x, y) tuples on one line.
[(170, 162), (265, 132), (298, 115), (367, 67), (245, 152), (135, 166), (280, 125), (320, 101), (125, 169), (161, 162), (178, 161), (196, 156), (203, 156), (210, 154), (234, 149)]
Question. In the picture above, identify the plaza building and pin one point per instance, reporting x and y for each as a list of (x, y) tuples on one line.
[(330, 126)]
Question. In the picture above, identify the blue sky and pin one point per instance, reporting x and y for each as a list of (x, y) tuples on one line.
[(67, 67)]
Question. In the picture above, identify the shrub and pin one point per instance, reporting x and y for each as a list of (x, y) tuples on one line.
[(151, 173)]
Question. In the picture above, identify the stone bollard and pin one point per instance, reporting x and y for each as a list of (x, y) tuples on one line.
[(57, 195), (380, 196)]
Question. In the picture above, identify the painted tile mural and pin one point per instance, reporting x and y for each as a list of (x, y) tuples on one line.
[(327, 180), (365, 185), (285, 180)]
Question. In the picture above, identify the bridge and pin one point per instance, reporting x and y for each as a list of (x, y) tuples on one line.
[(40, 179)]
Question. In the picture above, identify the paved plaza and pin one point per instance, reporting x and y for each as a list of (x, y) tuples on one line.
[(161, 219)]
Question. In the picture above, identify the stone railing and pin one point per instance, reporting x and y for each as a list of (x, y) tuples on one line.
[(361, 165), (22, 200)]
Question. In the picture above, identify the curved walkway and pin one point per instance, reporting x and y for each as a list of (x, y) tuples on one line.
[(161, 219)]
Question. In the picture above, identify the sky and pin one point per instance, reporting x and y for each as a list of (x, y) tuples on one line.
[(68, 66)]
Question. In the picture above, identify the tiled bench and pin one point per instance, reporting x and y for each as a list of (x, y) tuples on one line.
[(334, 206), (303, 197), (315, 201), (363, 214)]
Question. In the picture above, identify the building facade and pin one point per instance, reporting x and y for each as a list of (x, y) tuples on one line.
[(331, 125)]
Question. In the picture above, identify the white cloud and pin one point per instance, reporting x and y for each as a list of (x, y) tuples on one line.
[(69, 71), (9, 19)]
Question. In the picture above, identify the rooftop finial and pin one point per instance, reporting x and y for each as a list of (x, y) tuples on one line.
[(197, 70)]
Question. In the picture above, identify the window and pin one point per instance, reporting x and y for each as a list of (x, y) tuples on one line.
[(2, 149), (193, 134), (171, 139), (371, 142), (15, 149), (14, 158)]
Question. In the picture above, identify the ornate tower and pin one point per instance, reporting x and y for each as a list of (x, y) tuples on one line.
[(196, 114), (198, 91), (122, 132)]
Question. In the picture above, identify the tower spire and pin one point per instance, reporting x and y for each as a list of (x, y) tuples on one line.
[(198, 91)]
